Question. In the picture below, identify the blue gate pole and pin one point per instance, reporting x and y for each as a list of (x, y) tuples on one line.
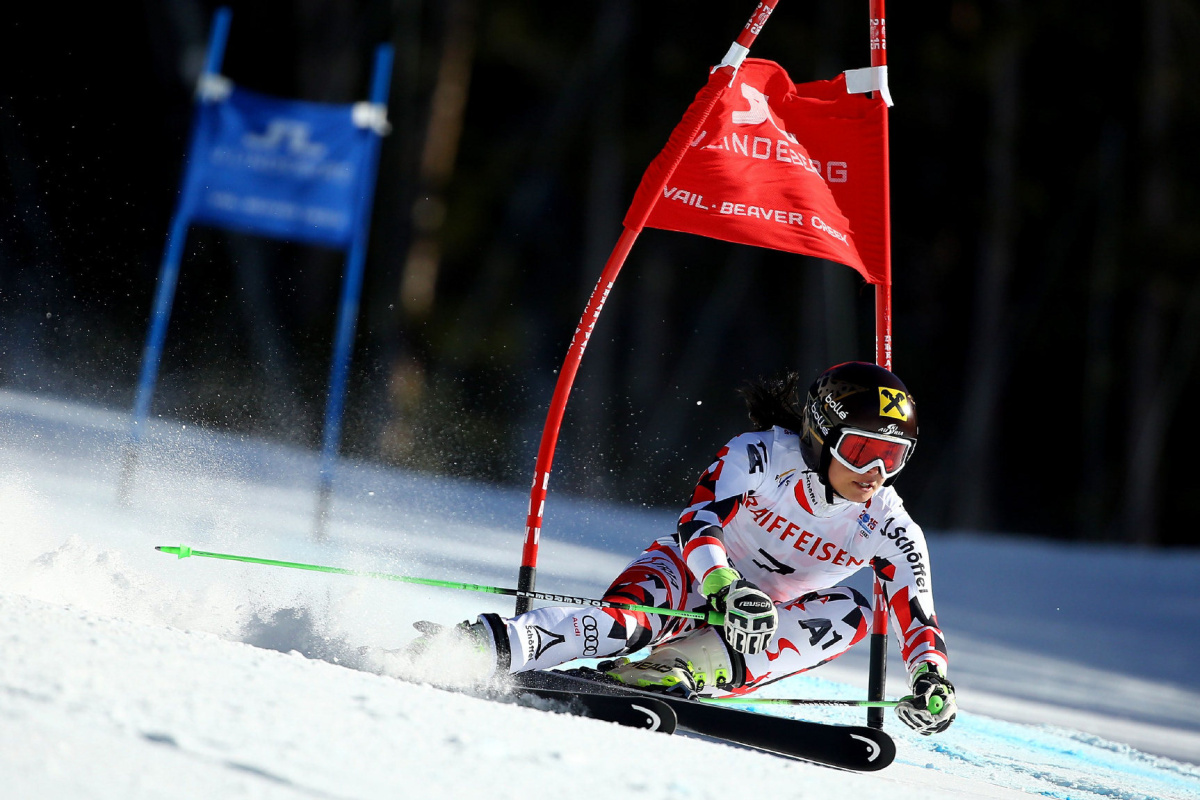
[(168, 278), (343, 345)]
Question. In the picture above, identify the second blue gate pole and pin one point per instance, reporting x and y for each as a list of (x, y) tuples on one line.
[(343, 345)]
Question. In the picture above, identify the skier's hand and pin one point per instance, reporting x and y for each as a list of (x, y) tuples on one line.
[(750, 615), (931, 707)]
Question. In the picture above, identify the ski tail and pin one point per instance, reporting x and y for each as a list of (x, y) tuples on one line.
[(648, 713)]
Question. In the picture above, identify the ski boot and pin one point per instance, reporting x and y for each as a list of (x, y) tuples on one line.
[(466, 654), (698, 663)]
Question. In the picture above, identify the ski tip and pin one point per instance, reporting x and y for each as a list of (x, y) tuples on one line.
[(183, 551)]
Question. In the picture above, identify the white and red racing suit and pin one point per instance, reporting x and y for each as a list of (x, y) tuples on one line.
[(759, 509)]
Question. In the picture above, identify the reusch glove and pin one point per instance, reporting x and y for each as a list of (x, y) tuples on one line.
[(931, 707), (750, 615)]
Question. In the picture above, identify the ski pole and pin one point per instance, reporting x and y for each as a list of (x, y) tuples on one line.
[(776, 701), (711, 617)]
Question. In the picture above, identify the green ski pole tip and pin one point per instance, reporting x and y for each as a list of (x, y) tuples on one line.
[(183, 551)]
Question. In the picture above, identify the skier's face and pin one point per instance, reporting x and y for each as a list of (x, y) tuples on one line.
[(852, 486)]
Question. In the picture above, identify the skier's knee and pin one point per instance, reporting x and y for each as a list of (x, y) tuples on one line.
[(632, 629)]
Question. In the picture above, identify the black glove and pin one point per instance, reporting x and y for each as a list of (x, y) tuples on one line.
[(931, 706), (750, 615)]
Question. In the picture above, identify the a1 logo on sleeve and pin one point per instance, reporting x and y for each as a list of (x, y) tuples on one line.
[(893, 403)]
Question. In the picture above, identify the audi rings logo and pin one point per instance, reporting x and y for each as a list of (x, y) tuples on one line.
[(591, 637)]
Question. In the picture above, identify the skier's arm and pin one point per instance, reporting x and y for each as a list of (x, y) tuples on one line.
[(902, 564), (739, 469), (750, 617)]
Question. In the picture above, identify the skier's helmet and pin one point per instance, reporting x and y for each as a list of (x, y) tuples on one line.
[(862, 415)]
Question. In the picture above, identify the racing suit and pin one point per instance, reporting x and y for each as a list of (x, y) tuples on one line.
[(759, 509)]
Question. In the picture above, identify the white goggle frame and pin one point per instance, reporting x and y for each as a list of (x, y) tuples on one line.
[(878, 462)]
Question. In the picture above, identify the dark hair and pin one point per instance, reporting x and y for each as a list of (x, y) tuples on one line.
[(774, 401)]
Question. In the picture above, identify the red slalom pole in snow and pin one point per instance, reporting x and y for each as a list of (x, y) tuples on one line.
[(680, 139), (877, 677)]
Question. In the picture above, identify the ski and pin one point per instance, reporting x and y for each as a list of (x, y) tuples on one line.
[(648, 713), (633, 711), (645, 712), (851, 747)]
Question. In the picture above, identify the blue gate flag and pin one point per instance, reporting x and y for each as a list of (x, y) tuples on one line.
[(287, 169)]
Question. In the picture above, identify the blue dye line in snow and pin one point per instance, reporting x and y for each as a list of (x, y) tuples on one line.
[(1042, 738), (1019, 746), (1060, 749), (1057, 749)]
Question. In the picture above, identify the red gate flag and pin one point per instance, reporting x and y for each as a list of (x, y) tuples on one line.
[(794, 168)]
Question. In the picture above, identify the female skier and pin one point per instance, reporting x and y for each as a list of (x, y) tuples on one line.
[(783, 516)]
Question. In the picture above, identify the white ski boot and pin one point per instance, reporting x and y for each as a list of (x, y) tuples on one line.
[(466, 654)]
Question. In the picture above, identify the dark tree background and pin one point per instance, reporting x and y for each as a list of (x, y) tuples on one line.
[(1045, 243)]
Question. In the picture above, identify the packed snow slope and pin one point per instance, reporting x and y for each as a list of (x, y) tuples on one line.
[(126, 673)]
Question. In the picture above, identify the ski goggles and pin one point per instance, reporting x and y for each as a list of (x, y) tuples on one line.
[(861, 451)]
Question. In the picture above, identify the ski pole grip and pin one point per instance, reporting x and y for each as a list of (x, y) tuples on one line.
[(935, 705)]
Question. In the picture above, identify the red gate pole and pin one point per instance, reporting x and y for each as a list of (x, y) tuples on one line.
[(877, 679), (566, 377)]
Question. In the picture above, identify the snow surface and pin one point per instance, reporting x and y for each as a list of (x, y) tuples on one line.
[(126, 673)]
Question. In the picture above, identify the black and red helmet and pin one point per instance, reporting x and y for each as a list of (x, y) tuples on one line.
[(861, 414)]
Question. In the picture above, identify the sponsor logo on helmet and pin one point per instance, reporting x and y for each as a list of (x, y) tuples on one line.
[(893, 403), (835, 406), (891, 429), (818, 418)]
